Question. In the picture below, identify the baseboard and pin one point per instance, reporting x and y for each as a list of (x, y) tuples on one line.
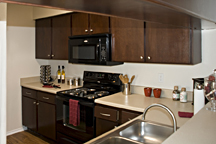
[(16, 131)]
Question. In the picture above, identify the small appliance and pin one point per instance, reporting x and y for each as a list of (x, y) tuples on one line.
[(91, 49)]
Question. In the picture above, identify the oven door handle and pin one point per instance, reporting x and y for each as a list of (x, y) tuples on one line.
[(88, 104)]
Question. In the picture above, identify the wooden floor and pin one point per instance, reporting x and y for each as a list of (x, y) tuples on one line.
[(24, 138)]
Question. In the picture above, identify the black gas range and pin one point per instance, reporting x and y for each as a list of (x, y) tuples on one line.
[(95, 85)]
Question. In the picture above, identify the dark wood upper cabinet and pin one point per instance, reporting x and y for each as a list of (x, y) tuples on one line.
[(52, 37), (173, 45), (98, 24), (85, 24), (29, 113), (127, 40), (61, 30), (80, 24), (43, 38)]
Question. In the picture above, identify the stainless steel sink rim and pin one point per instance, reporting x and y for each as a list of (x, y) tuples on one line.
[(116, 133)]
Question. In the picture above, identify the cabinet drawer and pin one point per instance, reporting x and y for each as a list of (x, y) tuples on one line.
[(29, 93), (46, 97), (106, 113), (126, 116)]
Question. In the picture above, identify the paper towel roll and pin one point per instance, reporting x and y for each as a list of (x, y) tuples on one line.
[(199, 100)]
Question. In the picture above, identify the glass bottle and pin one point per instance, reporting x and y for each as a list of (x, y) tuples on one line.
[(63, 75), (176, 94), (59, 74), (183, 95)]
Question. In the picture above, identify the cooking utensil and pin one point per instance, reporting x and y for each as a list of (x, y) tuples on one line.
[(132, 78), (126, 78), (122, 78)]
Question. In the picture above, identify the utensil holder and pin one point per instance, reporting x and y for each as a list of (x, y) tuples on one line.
[(126, 89)]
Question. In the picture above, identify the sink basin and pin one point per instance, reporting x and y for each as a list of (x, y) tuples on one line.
[(137, 132), (116, 140), (147, 133)]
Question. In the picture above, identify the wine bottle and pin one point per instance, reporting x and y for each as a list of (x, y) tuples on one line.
[(63, 75), (59, 74)]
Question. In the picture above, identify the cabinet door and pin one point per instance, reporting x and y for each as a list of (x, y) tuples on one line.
[(127, 40), (167, 44), (29, 116), (103, 126), (126, 116), (43, 38), (80, 24), (61, 30), (98, 24), (47, 120)]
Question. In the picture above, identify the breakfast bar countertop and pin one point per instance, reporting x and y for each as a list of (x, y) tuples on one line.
[(137, 102)]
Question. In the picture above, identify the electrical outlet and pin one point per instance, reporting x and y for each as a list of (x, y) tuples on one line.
[(160, 77)]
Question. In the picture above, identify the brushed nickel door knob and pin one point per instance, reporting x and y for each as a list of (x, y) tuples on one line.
[(86, 30), (91, 30), (48, 55), (53, 55), (141, 57), (149, 57)]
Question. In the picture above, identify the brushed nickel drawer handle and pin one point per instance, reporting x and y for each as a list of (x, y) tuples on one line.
[(45, 98), (103, 114), (28, 93)]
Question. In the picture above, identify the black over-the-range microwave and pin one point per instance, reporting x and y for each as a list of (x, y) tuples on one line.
[(91, 49)]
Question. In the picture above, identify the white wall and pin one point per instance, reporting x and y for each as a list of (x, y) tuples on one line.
[(21, 60), (3, 58), (147, 74)]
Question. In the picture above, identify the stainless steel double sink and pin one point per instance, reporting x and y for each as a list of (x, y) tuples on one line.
[(141, 131), (138, 131)]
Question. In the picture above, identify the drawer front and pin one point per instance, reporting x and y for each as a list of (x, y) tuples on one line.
[(126, 116), (29, 93), (46, 97), (106, 113)]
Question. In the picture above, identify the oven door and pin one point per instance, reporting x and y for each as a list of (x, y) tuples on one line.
[(84, 50), (81, 133)]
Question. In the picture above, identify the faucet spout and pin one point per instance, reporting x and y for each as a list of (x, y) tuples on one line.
[(164, 107)]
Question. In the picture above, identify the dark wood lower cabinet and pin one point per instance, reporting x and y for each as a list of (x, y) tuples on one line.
[(39, 115), (103, 126), (29, 113), (108, 117), (47, 120)]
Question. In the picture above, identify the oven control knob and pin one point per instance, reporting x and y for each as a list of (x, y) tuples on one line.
[(110, 77)]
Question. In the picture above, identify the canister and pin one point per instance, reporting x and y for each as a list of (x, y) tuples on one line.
[(126, 89)]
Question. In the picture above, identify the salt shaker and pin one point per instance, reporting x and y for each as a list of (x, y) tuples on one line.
[(183, 95)]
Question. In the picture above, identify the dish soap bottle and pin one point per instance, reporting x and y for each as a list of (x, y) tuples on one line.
[(59, 74), (63, 75)]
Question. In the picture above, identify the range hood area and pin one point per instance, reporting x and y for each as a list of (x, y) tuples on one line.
[(197, 14)]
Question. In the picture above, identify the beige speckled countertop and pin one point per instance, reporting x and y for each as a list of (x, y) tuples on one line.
[(198, 130), (34, 83), (136, 102)]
